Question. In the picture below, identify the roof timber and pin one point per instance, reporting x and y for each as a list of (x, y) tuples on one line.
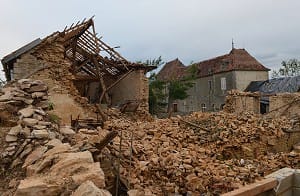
[(91, 58)]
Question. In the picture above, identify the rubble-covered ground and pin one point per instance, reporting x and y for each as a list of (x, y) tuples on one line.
[(200, 154)]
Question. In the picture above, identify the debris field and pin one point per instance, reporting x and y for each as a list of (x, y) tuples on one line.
[(133, 153)]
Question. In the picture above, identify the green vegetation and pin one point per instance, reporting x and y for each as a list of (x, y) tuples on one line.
[(50, 106), (288, 68), (162, 93), (54, 118)]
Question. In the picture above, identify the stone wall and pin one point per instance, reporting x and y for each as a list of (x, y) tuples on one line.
[(239, 102), (133, 87), (285, 104), (243, 78), (25, 66), (208, 95), (46, 62)]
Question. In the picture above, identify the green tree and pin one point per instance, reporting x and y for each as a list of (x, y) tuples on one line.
[(177, 88), (156, 94), (288, 68), (162, 93)]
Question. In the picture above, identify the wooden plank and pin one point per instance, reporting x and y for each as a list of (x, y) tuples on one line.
[(78, 67), (88, 42), (106, 140), (92, 43), (101, 81), (255, 188), (195, 125)]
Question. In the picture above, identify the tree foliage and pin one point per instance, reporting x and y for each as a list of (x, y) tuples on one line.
[(288, 68), (162, 93), (156, 94)]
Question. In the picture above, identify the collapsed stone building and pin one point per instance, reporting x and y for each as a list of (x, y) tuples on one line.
[(76, 62), (128, 154)]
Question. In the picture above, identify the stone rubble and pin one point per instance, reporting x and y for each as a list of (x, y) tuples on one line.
[(170, 156), (198, 154), (34, 145)]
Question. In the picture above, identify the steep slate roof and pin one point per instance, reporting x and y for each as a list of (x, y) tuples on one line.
[(237, 59), (276, 85), (172, 70)]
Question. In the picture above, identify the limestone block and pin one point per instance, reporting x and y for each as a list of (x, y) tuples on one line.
[(40, 134), (88, 188), (10, 138), (67, 131), (36, 186), (26, 112), (14, 131), (29, 122)]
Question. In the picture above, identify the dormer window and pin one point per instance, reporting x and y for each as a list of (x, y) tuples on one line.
[(224, 65), (209, 71)]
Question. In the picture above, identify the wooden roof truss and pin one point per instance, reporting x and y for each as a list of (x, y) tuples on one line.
[(92, 59)]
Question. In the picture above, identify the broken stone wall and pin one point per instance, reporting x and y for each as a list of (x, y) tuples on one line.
[(133, 87), (50, 66), (239, 102), (286, 104), (25, 66)]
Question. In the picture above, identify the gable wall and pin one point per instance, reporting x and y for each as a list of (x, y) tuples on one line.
[(243, 78)]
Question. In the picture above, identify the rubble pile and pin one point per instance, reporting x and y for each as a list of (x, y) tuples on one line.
[(199, 154), (226, 152), (32, 126), (33, 157)]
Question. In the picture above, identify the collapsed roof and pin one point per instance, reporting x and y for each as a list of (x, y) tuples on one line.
[(91, 58)]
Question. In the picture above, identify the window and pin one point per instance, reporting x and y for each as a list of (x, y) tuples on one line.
[(224, 65), (209, 71), (223, 84), (175, 107), (203, 107)]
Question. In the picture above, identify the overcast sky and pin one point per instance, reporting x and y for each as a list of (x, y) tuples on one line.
[(192, 30)]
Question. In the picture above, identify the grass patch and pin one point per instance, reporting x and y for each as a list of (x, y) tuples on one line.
[(54, 118)]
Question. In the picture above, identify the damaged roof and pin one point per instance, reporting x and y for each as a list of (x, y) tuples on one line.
[(276, 85), (90, 56)]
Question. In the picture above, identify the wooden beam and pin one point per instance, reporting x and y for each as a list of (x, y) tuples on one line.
[(255, 188), (88, 43), (78, 67), (102, 83), (195, 125), (115, 83)]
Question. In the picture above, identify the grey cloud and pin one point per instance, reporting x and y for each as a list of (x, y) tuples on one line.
[(192, 30)]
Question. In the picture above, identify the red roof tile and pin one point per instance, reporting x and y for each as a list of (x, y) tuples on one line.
[(172, 70), (237, 59)]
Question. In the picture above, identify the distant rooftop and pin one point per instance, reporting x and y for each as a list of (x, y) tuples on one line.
[(236, 60), (276, 85)]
